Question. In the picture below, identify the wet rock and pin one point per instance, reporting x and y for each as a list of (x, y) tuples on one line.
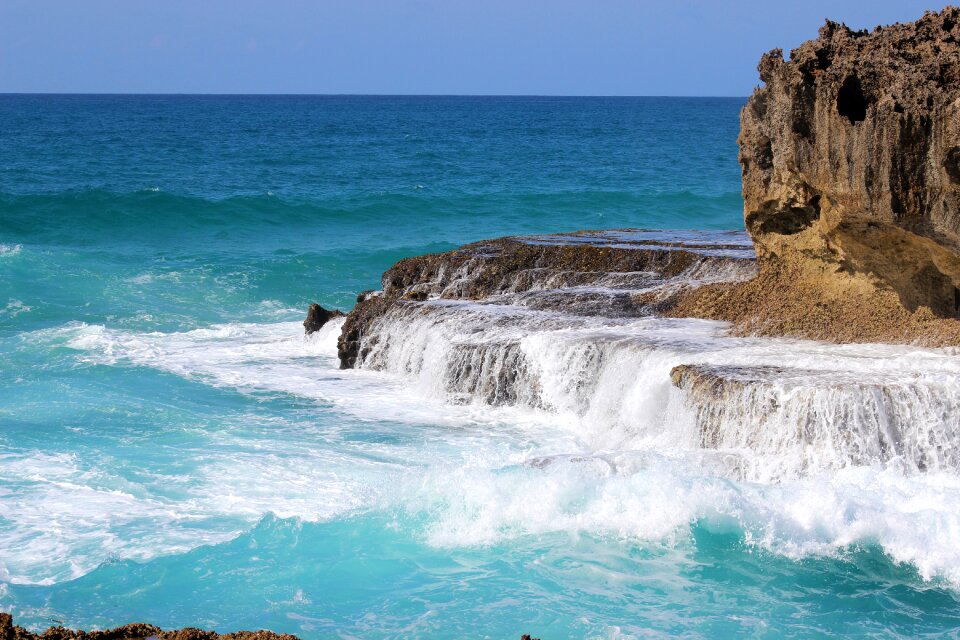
[(850, 155), (349, 344), (548, 266), (317, 316), (866, 420), (139, 631), (135, 631)]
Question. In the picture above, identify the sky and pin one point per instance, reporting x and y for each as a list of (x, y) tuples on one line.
[(525, 47)]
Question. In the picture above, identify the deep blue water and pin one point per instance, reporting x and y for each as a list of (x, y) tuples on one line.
[(172, 450)]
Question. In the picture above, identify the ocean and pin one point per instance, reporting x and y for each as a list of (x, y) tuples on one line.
[(174, 449)]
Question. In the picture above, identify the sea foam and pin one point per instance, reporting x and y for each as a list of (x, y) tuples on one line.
[(622, 462), (9, 250)]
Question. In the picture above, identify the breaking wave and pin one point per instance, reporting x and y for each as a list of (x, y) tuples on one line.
[(620, 458)]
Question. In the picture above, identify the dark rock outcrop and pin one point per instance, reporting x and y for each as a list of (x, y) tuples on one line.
[(317, 316), (135, 631), (490, 269), (850, 155)]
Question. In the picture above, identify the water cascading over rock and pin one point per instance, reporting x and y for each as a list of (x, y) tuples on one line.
[(851, 188)]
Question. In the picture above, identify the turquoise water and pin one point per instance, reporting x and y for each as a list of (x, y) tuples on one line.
[(173, 450)]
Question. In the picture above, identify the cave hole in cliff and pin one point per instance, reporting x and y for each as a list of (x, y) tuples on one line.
[(952, 164), (789, 220), (851, 102)]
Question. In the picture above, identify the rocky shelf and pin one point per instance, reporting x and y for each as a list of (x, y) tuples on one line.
[(615, 273), (593, 325)]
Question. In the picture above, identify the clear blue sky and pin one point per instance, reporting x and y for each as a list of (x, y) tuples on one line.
[(551, 47)]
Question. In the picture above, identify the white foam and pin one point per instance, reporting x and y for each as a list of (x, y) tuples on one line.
[(61, 519), (65, 515), (652, 498), (601, 443), (820, 454), (9, 250), (14, 308), (150, 277), (273, 357), (608, 380)]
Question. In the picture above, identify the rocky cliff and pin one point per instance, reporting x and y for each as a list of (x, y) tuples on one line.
[(850, 154)]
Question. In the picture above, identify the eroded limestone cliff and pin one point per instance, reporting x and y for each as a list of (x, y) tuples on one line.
[(850, 154)]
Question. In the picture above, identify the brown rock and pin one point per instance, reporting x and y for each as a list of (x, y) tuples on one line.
[(6, 627), (850, 155), (139, 631), (135, 631), (317, 316)]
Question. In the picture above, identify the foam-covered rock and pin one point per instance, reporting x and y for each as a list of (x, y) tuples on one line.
[(317, 316)]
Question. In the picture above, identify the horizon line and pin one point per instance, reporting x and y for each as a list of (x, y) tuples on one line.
[(362, 95)]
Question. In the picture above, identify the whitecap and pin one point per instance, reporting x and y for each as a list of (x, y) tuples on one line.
[(14, 308), (9, 250)]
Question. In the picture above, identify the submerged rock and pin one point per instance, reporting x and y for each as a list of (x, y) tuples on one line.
[(850, 155), (317, 316)]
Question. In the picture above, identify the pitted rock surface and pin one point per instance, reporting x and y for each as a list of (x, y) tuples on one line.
[(850, 155)]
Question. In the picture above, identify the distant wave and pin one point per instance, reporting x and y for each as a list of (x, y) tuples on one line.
[(98, 210), (93, 213)]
